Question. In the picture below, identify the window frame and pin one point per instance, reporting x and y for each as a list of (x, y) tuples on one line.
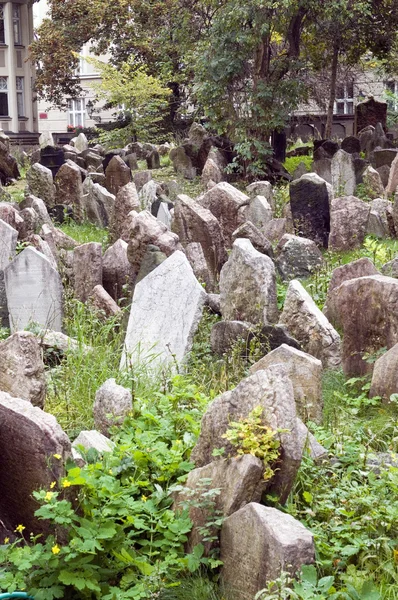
[(347, 100), (21, 96), (76, 114), (16, 24), (2, 24), (4, 92)]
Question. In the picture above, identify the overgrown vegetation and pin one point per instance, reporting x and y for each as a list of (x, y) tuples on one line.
[(117, 536)]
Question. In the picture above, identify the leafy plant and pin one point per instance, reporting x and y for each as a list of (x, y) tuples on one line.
[(124, 541), (250, 436)]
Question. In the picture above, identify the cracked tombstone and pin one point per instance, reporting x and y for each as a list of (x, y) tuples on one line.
[(166, 310), (34, 291)]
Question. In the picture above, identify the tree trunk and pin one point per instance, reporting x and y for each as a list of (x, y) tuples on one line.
[(332, 94)]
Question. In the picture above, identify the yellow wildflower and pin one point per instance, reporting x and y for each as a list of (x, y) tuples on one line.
[(48, 496), (52, 485), (144, 498), (57, 456), (6, 540), (56, 549), (66, 483), (20, 528)]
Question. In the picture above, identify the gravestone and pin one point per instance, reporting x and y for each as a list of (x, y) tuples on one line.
[(40, 183), (69, 188), (30, 442), (348, 221), (52, 158), (370, 112), (310, 327), (248, 285), (117, 175), (34, 291), (309, 201), (164, 215), (225, 202), (259, 212), (271, 389), (257, 544), (8, 244), (343, 174), (166, 310), (87, 269), (193, 223)]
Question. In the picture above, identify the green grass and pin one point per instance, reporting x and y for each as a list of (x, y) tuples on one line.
[(85, 232)]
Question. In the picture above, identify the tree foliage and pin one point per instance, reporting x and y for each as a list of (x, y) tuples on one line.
[(130, 89)]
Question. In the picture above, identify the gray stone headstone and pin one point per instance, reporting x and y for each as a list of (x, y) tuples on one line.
[(343, 174), (166, 309), (34, 291), (164, 215), (8, 243)]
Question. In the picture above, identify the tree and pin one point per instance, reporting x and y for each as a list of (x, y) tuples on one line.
[(249, 72), (344, 33), (159, 34), (140, 95)]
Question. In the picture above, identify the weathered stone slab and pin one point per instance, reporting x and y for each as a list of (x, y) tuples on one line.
[(248, 285), (40, 183), (117, 174), (30, 442), (259, 211), (310, 327), (69, 188), (348, 222), (305, 371), (343, 174), (257, 544), (87, 269), (193, 223), (250, 232), (126, 200), (365, 310), (164, 215), (358, 268), (271, 389), (240, 481), (297, 257), (226, 203), (34, 291), (112, 404), (103, 303), (117, 273), (309, 201), (373, 183), (393, 177), (385, 375), (262, 188), (166, 309), (22, 368), (146, 230), (8, 244)]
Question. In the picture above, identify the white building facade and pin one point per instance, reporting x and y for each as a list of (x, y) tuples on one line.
[(18, 111)]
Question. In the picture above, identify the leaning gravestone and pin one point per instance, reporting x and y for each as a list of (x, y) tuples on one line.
[(34, 291), (33, 450), (8, 243), (166, 309)]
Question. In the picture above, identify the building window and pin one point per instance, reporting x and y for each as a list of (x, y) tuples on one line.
[(2, 28), (344, 104), (20, 97), (76, 112), (16, 24), (3, 97)]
